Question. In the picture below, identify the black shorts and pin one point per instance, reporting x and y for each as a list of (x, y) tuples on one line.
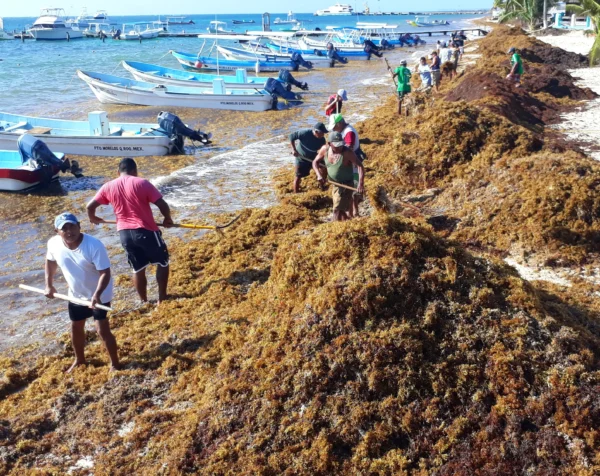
[(144, 247), (81, 313), (303, 167)]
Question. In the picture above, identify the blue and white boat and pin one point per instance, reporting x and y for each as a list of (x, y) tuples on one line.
[(152, 73), (349, 54), (96, 136), (115, 90), (208, 63), (307, 60)]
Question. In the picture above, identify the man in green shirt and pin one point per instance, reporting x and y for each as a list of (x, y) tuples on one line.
[(516, 66), (403, 74), (306, 143)]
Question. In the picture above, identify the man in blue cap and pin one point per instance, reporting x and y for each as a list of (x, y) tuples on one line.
[(85, 266)]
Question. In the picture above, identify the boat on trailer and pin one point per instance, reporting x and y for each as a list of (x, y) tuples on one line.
[(115, 90), (96, 136), (152, 73)]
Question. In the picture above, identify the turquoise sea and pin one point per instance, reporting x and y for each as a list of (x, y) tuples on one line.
[(33, 73)]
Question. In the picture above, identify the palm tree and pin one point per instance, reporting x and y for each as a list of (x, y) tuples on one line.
[(525, 10), (590, 8)]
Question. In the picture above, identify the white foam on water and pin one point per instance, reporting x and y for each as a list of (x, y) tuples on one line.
[(238, 170)]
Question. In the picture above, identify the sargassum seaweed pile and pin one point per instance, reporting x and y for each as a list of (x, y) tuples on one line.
[(384, 345)]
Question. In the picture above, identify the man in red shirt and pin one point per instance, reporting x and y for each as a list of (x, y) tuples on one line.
[(131, 197), (335, 102)]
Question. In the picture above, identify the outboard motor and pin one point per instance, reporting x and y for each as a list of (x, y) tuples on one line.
[(117, 34), (175, 127), (333, 55), (275, 87), (33, 149), (371, 49), (286, 77), (298, 60), (386, 45)]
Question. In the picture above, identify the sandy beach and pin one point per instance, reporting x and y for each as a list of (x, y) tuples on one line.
[(399, 342)]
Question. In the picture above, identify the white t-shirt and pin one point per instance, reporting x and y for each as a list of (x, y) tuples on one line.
[(81, 266), (445, 55)]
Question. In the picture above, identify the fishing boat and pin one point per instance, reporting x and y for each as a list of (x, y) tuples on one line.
[(219, 27), (337, 9), (290, 20), (356, 55), (179, 21), (423, 21), (115, 90), (141, 30), (208, 63), (81, 22), (31, 166), (51, 26), (157, 74), (231, 53), (96, 29), (242, 22), (96, 136), (101, 15), (4, 35)]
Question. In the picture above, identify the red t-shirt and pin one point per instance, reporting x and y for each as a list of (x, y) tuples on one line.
[(349, 139), (332, 109), (130, 197)]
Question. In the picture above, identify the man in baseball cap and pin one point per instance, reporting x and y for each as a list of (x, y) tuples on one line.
[(85, 266), (335, 102), (305, 145), (403, 87), (339, 161), (516, 69)]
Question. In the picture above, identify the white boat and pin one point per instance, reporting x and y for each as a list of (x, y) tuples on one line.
[(337, 9), (95, 28), (18, 175), (101, 15), (237, 54), (82, 21), (218, 27), (4, 35), (291, 20), (179, 21), (141, 30), (96, 136), (51, 26), (115, 90)]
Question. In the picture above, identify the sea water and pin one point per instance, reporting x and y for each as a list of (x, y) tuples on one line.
[(38, 78)]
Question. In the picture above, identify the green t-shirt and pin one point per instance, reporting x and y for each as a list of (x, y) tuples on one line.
[(307, 144), (403, 78), (516, 58)]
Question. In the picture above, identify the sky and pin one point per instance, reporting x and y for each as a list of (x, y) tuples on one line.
[(31, 8)]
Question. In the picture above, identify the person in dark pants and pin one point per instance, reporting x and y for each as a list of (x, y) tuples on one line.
[(131, 197), (305, 146), (85, 266)]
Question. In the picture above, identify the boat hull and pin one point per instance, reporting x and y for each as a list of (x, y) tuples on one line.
[(244, 55), (17, 177), (55, 34), (111, 93)]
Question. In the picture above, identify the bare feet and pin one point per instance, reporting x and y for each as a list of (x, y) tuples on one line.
[(75, 364)]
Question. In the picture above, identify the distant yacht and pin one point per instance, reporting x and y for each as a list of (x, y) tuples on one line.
[(51, 26), (4, 35), (291, 20), (337, 9), (101, 15)]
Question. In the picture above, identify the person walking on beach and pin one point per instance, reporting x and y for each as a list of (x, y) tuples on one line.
[(403, 89), (85, 266), (306, 144), (455, 57), (425, 72), (131, 197), (435, 70), (337, 123), (335, 102), (339, 161), (516, 69)]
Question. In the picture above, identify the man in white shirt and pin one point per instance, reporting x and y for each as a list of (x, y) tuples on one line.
[(85, 266)]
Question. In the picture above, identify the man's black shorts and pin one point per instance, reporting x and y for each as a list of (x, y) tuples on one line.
[(81, 313), (144, 247), (303, 167)]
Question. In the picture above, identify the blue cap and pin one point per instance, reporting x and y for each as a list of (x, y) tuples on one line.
[(64, 218)]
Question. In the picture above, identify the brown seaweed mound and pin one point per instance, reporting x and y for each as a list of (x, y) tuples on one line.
[(380, 349)]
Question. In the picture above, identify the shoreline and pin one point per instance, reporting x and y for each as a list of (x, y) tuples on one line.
[(383, 344)]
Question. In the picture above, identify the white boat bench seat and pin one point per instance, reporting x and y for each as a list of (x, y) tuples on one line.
[(18, 125)]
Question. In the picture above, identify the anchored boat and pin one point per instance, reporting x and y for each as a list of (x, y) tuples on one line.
[(208, 63), (115, 90), (96, 136)]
